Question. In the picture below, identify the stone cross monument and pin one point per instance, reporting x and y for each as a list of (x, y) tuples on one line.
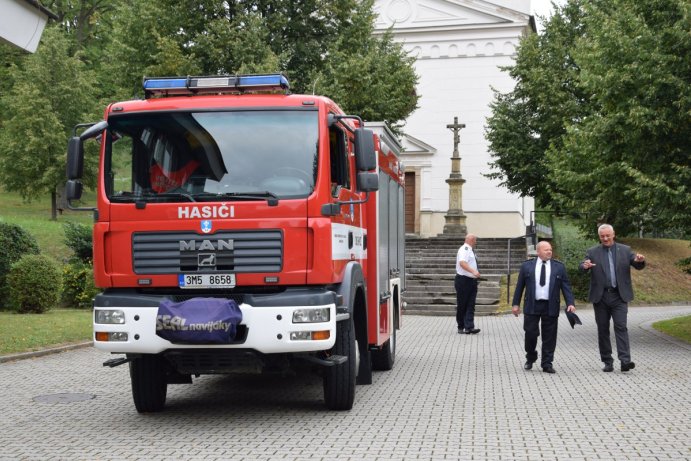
[(455, 219)]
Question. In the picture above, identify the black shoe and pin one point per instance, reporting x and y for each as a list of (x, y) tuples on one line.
[(608, 367), (628, 366), (460, 331), (549, 370), (472, 331), (528, 365)]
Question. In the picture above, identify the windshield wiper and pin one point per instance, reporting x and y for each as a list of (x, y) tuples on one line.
[(270, 197), (143, 199), (174, 195)]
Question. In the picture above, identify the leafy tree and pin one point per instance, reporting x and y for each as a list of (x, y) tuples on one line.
[(85, 21), (599, 119), (50, 95), (378, 82), (316, 43), (628, 162), (546, 99), (10, 56)]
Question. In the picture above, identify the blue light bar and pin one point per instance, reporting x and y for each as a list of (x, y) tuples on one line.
[(170, 86)]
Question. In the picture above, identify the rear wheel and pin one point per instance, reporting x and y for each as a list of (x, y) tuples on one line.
[(383, 359), (339, 380), (149, 386)]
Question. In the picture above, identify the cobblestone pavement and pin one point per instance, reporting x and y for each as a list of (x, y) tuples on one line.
[(449, 396)]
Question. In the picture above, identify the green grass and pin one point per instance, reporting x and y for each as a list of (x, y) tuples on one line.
[(662, 281), (35, 217), (30, 332), (27, 332), (679, 327)]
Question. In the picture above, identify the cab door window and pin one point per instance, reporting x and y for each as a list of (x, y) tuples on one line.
[(340, 169)]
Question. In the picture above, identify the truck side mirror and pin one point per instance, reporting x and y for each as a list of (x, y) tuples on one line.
[(365, 156), (367, 182), (75, 158), (73, 190)]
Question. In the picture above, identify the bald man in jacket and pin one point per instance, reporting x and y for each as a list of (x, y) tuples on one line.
[(544, 280)]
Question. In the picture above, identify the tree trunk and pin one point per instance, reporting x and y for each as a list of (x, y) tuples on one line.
[(53, 206)]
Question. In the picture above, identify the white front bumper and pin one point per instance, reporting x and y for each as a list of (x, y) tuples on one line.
[(268, 332)]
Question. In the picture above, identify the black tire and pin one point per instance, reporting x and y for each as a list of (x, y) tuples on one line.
[(149, 385), (384, 358), (339, 380)]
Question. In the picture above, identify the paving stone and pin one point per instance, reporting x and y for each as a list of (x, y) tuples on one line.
[(449, 396)]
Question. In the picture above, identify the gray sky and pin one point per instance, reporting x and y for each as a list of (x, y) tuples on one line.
[(543, 8)]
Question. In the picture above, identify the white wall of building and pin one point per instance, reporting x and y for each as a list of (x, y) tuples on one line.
[(459, 46)]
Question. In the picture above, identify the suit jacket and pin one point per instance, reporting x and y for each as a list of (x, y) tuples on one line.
[(558, 284), (624, 259)]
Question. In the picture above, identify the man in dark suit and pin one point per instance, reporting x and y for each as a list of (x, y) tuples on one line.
[(543, 280), (610, 291)]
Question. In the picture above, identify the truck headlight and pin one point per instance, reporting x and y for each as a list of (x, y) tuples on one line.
[(312, 315), (109, 316)]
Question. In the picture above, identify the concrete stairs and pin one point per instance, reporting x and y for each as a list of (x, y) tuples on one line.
[(430, 272)]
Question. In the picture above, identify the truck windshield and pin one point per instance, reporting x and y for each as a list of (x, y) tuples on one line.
[(202, 156)]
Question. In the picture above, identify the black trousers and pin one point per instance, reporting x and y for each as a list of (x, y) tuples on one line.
[(531, 326), (466, 292), (611, 306)]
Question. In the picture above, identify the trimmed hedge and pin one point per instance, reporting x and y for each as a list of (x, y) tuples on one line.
[(35, 283), (15, 242), (78, 238), (79, 289)]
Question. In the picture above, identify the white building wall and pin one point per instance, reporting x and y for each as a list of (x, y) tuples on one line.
[(459, 48)]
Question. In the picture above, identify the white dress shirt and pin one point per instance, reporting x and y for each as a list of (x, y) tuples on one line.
[(542, 292), (465, 253)]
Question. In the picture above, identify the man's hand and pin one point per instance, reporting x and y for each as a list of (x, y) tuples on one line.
[(516, 310), (571, 308), (639, 258), (587, 264)]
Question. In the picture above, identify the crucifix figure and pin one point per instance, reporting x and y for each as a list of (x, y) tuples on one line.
[(456, 127), (455, 219)]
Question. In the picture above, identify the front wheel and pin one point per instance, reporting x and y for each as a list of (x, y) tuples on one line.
[(149, 385), (339, 380)]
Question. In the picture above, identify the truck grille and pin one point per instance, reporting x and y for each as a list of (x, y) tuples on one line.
[(231, 251)]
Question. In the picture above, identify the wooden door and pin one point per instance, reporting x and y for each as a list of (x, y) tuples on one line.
[(410, 203)]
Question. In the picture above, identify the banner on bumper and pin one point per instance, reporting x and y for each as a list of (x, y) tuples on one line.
[(198, 321)]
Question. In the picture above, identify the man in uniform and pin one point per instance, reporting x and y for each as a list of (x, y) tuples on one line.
[(466, 286)]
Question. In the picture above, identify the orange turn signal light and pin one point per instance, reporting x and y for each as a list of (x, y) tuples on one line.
[(102, 336), (319, 335)]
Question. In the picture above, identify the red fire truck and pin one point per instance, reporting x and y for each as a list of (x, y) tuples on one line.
[(229, 189)]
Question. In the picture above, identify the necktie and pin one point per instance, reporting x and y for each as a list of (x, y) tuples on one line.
[(612, 272), (543, 271)]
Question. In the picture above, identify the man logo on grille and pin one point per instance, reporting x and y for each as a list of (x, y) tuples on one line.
[(206, 260)]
